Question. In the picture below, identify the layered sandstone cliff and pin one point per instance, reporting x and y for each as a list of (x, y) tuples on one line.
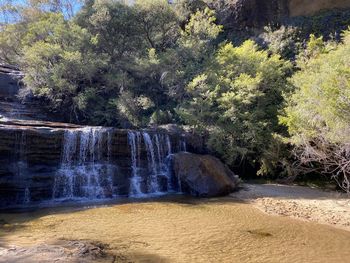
[(243, 14), (51, 161), (311, 7)]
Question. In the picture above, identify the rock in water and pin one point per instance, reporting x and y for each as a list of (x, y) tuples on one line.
[(203, 175)]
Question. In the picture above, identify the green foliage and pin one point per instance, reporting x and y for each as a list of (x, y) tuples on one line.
[(130, 109), (185, 8), (160, 117), (199, 33), (284, 40), (159, 23), (56, 64), (318, 113), (10, 43), (153, 63), (114, 28), (320, 104), (237, 99), (197, 42)]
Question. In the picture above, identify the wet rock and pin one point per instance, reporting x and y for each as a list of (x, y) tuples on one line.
[(31, 157), (61, 251), (203, 175)]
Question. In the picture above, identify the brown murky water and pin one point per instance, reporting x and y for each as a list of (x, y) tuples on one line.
[(182, 230)]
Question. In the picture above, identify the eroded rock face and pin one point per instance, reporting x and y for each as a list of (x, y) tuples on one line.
[(243, 14), (43, 161), (310, 7), (9, 81), (203, 175)]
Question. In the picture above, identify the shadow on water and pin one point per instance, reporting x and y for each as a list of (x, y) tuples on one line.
[(172, 228), (17, 219), (21, 215), (69, 206), (37, 210)]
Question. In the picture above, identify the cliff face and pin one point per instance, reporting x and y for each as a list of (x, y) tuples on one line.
[(53, 161), (42, 161), (310, 7), (242, 14), (9, 81)]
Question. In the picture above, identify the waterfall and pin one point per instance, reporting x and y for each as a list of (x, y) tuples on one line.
[(85, 170), (20, 154), (168, 144), (152, 177), (183, 145), (152, 165), (110, 169), (27, 197), (134, 140), (21, 166)]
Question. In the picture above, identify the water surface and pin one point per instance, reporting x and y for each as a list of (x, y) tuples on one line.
[(182, 229)]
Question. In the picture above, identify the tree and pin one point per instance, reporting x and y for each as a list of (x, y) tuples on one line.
[(198, 38), (194, 47), (186, 8), (11, 43), (17, 16), (114, 27), (318, 112), (58, 64), (158, 22), (237, 99)]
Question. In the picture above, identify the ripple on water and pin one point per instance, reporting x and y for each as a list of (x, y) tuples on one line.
[(184, 230)]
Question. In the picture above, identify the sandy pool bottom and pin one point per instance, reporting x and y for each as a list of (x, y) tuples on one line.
[(181, 230)]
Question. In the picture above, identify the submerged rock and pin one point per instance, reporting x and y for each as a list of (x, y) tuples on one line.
[(203, 175), (59, 251)]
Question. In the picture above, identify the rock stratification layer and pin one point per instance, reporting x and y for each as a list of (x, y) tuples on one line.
[(43, 161), (310, 7), (48, 161), (244, 14)]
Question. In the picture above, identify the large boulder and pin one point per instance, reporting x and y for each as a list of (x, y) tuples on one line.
[(203, 175)]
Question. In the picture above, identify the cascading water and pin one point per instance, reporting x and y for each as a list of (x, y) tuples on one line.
[(154, 176), (21, 166), (152, 165), (85, 170), (27, 196), (134, 141), (183, 145), (110, 167)]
